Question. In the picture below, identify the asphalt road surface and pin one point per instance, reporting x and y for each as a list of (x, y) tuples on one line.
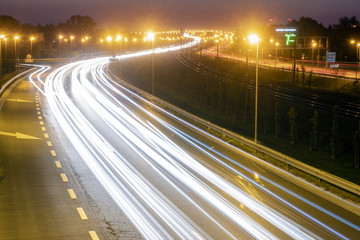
[(47, 193), (176, 181)]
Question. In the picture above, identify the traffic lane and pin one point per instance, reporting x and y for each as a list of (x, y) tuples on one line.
[(181, 201), (260, 174), (34, 201), (316, 198), (105, 212)]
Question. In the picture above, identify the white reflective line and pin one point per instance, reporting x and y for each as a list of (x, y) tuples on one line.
[(82, 213)]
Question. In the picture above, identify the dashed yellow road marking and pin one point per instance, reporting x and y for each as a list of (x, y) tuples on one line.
[(38, 109), (93, 235), (64, 178), (38, 113), (37, 104), (72, 194), (41, 123), (43, 129), (40, 117), (49, 143), (82, 213), (53, 153), (57, 163), (46, 136)]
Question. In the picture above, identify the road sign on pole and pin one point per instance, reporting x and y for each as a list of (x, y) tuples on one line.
[(330, 57)]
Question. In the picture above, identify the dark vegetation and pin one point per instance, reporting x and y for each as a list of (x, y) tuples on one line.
[(321, 138)]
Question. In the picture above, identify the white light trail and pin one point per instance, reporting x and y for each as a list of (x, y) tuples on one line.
[(128, 187)]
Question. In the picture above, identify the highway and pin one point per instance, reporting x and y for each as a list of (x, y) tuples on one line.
[(173, 180)]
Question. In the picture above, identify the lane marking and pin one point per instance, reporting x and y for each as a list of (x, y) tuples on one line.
[(38, 113), (93, 235), (64, 178), (41, 123), (53, 153), (82, 213), (72, 194), (57, 163), (49, 143), (37, 105), (46, 136), (40, 117), (43, 128), (38, 109)]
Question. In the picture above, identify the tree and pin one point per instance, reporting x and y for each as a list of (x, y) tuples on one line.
[(277, 119), (313, 133), (293, 127), (9, 25), (356, 147), (308, 27), (80, 25), (334, 131)]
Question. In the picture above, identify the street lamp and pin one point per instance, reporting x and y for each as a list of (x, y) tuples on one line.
[(60, 37), (312, 55), (151, 37), (255, 39), (276, 47), (357, 56), (31, 41), (71, 41), (118, 39), (16, 59), (1, 37), (6, 53)]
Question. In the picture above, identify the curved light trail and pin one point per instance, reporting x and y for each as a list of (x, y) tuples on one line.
[(135, 154)]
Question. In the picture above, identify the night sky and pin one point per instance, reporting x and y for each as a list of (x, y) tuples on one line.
[(225, 14)]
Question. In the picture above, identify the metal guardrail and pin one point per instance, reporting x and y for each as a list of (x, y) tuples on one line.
[(322, 175), (6, 86)]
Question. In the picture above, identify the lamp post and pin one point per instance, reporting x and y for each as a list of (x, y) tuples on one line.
[(1, 37), (312, 55), (152, 38), (71, 42), (109, 40), (60, 37), (254, 39), (31, 42), (6, 53), (16, 59), (276, 47), (118, 39)]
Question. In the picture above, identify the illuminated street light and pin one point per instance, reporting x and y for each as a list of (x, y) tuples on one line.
[(71, 41), (357, 56), (255, 39), (60, 37), (1, 37), (312, 54), (16, 58), (118, 39), (151, 37), (276, 47), (6, 52), (31, 41)]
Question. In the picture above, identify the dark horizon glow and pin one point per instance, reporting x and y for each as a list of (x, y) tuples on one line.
[(225, 14)]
